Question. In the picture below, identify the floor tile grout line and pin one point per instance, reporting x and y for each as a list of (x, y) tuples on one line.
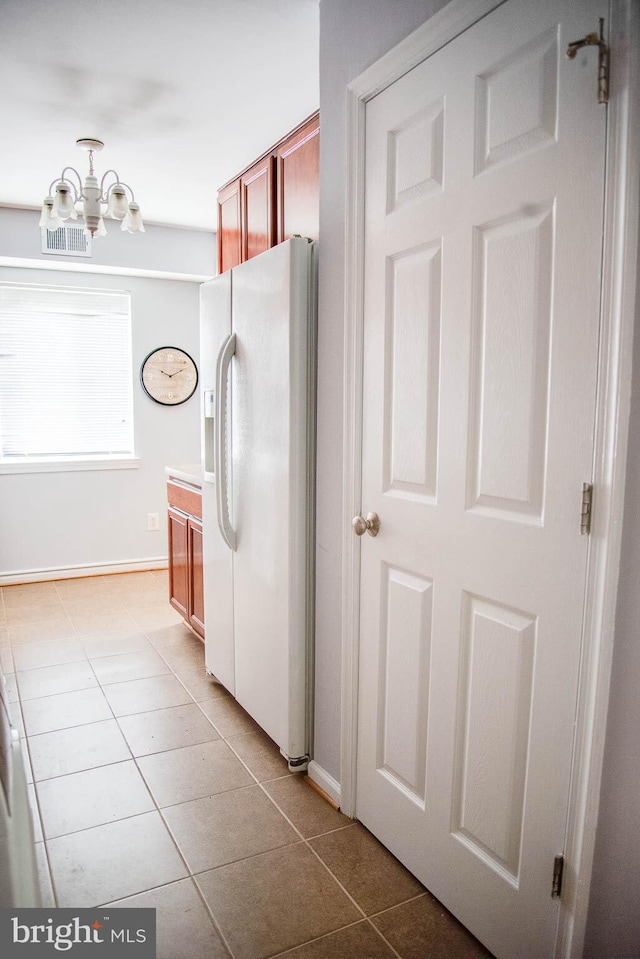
[(333, 932), (112, 595), (214, 921), (82, 639), (31, 604), (256, 782), (75, 726), (299, 842), (137, 815), (98, 825), (46, 695), (384, 938), (39, 811), (190, 873), (307, 841), (50, 872), (335, 878), (171, 836), (261, 784), (152, 797), (47, 665), (45, 841), (164, 820), (133, 758), (146, 784), (88, 769), (115, 718), (302, 839), (160, 808), (264, 791), (191, 879), (331, 832), (396, 905), (310, 847)]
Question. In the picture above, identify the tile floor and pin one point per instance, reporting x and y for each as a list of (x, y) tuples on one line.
[(150, 786)]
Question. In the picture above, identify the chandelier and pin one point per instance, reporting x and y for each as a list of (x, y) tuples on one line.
[(113, 199)]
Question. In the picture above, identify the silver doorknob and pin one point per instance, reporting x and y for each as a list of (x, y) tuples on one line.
[(370, 525)]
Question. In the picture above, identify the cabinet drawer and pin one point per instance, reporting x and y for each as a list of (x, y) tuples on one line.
[(185, 498)]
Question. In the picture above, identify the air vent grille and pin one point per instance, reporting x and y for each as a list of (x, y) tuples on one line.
[(67, 240)]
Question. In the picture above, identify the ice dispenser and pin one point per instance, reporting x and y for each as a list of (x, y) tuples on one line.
[(208, 420)]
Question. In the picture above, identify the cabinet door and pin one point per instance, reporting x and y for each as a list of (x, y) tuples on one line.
[(298, 180), (229, 227), (178, 562), (196, 583), (256, 205)]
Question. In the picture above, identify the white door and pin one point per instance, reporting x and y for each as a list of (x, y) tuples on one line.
[(483, 228)]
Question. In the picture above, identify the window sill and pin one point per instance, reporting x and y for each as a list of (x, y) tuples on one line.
[(67, 466)]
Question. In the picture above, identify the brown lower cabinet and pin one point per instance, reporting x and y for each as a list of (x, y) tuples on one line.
[(186, 591)]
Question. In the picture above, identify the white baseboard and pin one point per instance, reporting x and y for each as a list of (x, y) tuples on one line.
[(326, 782), (72, 572)]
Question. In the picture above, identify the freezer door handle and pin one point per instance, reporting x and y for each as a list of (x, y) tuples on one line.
[(227, 350)]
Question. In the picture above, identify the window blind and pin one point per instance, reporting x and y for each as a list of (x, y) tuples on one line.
[(66, 389)]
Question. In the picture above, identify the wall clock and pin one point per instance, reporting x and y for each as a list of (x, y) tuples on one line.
[(169, 375)]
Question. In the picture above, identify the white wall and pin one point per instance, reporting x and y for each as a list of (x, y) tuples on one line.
[(95, 518), (161, 249), (613, 930), (352, 36)]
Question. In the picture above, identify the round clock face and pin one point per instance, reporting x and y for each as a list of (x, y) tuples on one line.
[(169, 376)]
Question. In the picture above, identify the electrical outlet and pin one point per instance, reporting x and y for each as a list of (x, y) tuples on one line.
[(153, 522)]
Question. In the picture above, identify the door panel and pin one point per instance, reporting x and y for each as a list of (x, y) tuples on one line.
[(404, 680), (509, 126), (413, 354), (484, 173), (510, 356), (493, 727)]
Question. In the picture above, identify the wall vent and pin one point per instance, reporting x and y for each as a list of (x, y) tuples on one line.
[(67, 240)]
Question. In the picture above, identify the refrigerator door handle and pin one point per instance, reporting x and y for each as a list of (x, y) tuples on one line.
[(227, 350)]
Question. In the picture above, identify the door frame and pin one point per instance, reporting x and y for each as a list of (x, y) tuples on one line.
[(611, 428)]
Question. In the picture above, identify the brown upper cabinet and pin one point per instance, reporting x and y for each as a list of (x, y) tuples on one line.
[(273, 199), (229, 236), (297, 182), (256, 208)]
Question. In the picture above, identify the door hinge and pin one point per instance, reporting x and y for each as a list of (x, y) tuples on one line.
[(596, 40), (585, 508), (556, 882)]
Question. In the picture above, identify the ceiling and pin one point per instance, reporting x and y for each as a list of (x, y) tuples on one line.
[(184, 94)]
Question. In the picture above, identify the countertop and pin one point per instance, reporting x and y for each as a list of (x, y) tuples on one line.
[(191, 473)]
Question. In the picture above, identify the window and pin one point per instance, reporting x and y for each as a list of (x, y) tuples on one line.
[(66, 392)]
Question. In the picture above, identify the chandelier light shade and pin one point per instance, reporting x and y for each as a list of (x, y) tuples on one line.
[(111, 198)]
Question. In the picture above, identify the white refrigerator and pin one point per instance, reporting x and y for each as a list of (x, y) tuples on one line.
[(257, 367)]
